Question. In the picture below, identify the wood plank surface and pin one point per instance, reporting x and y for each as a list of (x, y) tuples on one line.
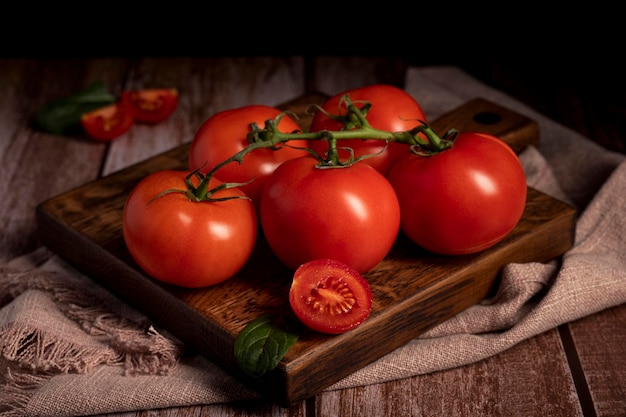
[(35, 165), (421, 288), (58, 163), (601, 350), (513, 383)]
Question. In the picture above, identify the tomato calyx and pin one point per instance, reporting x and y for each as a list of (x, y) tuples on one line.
[(201, 192), (354, 118), (435, 144), (270, 132), (333, 160)]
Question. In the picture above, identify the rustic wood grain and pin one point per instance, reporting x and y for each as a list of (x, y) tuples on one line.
[(59, 163), (38, 165), (423, 289), (251, 408), (601, 348), (525, 380)]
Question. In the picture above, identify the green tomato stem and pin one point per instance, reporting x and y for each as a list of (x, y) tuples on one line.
[(356, 126)]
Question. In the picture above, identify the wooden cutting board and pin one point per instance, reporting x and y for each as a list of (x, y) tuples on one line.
[(413, 290)]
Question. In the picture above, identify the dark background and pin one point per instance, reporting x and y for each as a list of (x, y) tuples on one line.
[(556, 64)]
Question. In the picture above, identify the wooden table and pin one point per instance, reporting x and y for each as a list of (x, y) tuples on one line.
[(578, 369)]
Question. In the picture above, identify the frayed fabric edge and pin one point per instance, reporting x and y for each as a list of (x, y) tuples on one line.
[(35, 351), (17, 390), (35, 356), (144, 349)]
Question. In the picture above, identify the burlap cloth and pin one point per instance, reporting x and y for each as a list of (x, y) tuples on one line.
[(69, 348)]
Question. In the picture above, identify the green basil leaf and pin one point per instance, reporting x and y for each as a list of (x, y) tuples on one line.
[(63, 115), (260, 346)]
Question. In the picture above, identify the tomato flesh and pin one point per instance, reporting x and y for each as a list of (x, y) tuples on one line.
[(109, 122), (329, 296), (151, 106)]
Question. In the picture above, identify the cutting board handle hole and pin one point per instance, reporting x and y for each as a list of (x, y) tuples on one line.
[(487, 118)]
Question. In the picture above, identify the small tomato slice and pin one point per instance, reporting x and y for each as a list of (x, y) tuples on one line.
[(109, 122), (151, 106), (329, 296)]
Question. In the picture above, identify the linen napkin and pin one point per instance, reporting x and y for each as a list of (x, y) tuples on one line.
[(68, 347)]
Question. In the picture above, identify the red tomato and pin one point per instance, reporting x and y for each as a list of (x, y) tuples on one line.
[(350, 214), (151, 105), (109, 122), (330, 297), (393, 110), (225, 133), (184, 242), (464, 199)]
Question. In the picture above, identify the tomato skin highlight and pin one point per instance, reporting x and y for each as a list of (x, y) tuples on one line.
[(393, 110), (183, 242), (464, 199), (151, 106), (330, 297), (225, 133), (350, 214), (108, 122)]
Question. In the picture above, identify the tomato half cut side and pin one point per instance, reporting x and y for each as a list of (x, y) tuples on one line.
[(151, 106), (329, 296), (109, 122)]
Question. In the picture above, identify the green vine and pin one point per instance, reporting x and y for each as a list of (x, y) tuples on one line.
[(422, 140)]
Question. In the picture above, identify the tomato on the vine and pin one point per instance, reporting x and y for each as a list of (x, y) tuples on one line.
[(108, 122), (350, 214), (329, 296), (225, 133), (392, 109), (185, 242), (464, 199), (153, 105)]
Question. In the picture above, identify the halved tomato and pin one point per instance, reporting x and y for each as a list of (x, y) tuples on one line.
[(109, 122), (329, 296), (151, 106)]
